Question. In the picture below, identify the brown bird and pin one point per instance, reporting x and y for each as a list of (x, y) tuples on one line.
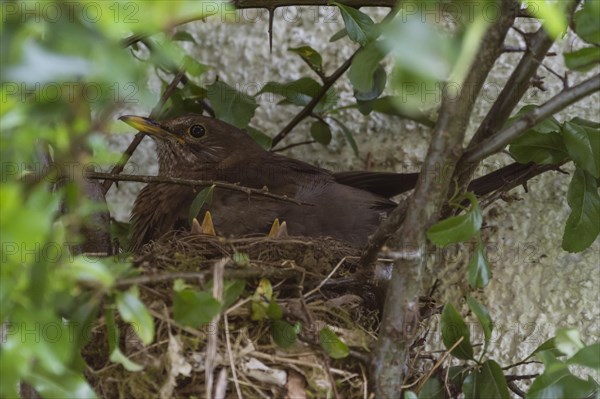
[(348, 206)]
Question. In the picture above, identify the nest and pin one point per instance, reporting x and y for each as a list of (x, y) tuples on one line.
[(316, 283)]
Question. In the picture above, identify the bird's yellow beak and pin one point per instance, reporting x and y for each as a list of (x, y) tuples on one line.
[(148, 126)]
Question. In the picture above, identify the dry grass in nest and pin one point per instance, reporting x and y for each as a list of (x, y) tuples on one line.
[(317, 283), (241, 353)]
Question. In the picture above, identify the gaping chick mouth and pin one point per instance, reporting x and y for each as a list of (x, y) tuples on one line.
[(149, 126)]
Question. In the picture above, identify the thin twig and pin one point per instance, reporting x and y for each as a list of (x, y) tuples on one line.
[(421, 380), (327, 81), (192, 183), (538, 45), (287, 147), (527, 121), (273, 272), (231, 360), (513, 387), (318, 287), (520, 377), (308, 108), (522, 362), (213, 339)]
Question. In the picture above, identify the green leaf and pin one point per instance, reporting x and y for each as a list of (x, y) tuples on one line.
[(194, 308), (310, 56), (583, 60), (585, 123), (183, 36), (586, 22), (241, 259), (332, 345), (347, 135), (583, 224), (552, 15), (469, 385), (548, 345), (116, 356), (453, 328), (134, 312), (487, 382), (320, 132), (283, 333), (457, 228), (274, 311), (548, 125), (232, 291), (338, 35), (300, 92), (379, 80), (193, 67), (540, 148), (432, 389), (568, 341), (230, 105), (479, 269), (363, 67), (387, 105), (483, 316), (588, 356), (583, 145), (556, 382), (360, 26), (203, 197), (456, 374), (89, 269), (261, 300), (410, 395), (262, 139), (420, 50), (60, 385)]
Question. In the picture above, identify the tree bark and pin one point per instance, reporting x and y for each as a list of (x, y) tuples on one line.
[(401, 310)]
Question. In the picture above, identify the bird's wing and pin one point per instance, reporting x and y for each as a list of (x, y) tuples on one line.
[(281, 175), (386, 184)]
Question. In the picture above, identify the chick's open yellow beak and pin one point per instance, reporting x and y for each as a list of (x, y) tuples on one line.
[(148, 126)]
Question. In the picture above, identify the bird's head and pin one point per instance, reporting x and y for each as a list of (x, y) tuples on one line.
[(191, 142)]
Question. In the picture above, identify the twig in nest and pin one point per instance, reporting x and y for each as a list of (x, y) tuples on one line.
[(273, 272), (231, 360), (423, 379), (213, 339), (317, 288)]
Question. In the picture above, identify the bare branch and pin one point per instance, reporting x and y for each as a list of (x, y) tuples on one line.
[(192, 183), (287, 147), (272, 272), (529, 120), (401, 310), (327, 83), (308, 109), (538, 45)]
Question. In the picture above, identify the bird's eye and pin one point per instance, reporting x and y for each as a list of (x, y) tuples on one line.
[(197, 131)]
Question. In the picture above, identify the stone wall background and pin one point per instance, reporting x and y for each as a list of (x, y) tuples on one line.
[(536, 286)]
